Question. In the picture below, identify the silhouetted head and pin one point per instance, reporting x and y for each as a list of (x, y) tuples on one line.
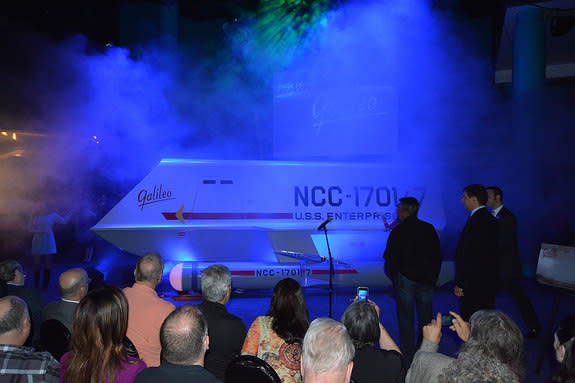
[(289, 311), (408, 206), (149, 269), (362, 323), (184, 336), (473, 197), (216, 283)]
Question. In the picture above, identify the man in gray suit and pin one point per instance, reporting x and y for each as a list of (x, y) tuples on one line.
[(73, 285)]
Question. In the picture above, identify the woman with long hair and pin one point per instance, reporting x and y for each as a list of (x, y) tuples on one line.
[(277, 337), (565, 351), (97, 350), (371, 364)]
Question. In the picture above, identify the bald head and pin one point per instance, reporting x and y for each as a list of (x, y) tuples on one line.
[(184, 336), (149, 269), (73, 284), (14, 321)]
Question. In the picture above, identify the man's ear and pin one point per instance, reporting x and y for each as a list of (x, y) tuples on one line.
[(301, 366), (26, 322), (561, 353), (26, 326), (207, 343), (349, 370), (229, 294)]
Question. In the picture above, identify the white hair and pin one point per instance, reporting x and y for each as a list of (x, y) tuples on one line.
[(215, 282), (327, 347)]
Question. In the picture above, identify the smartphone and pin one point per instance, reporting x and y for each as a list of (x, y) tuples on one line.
[(446, 320), (362, 293)]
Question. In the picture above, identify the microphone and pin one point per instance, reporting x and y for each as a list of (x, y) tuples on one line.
[(324, 223)]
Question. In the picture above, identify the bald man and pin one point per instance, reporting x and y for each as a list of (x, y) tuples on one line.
[(73, 285), (146, 311), (19, 363), (185, 340)]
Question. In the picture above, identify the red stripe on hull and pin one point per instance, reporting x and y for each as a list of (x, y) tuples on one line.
[(246, 273), (215, 216)]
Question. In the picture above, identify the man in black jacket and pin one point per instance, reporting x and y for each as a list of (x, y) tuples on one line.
[(13, 276), (510, 264), (226, 331), (477, 255), (412, 261)]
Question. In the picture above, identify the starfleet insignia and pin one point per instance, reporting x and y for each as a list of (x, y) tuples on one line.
[(180, 214)]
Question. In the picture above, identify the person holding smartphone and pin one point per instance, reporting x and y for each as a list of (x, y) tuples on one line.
[(412, 261), (372, 365), (492, 351)]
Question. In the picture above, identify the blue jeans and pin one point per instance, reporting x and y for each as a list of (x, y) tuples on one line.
[(406, 292)]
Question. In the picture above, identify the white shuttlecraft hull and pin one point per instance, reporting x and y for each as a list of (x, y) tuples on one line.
[(252, 212)]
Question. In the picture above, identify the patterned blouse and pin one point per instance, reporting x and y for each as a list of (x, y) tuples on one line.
[(264, 343)]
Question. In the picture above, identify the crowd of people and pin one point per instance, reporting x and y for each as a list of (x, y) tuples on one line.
[(129, 335), (132, 335)]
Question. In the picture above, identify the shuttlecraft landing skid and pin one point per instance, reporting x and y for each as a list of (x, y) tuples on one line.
[(260, 218)]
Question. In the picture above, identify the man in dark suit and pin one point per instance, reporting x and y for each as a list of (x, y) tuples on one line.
[(510, 264), (226, 331), (12, 274), (412, 261), (477, 255), (73, 285)]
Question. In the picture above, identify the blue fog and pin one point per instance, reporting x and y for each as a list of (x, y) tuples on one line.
[(373, 81)]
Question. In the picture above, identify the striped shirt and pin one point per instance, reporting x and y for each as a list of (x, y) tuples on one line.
[(19, 364)]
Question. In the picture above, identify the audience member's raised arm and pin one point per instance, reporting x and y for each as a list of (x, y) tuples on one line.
[(386, 342), (432, 331)]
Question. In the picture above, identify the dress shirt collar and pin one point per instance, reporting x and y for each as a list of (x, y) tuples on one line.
[(477, 208), (496, 211), (70, 301)]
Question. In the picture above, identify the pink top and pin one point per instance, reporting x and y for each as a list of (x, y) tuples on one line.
[(126, 374), (146, 313)]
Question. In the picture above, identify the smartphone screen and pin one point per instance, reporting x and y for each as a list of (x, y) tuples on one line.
[(446, 320), (362, 293)]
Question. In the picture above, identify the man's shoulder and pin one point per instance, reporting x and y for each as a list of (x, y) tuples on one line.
[(217, 312), (60, 305), (149, 295), (198, 373), (425, 225), (20, 357), (414, 225), (53, 306), (31, 295), (483, 216), (505, 213)]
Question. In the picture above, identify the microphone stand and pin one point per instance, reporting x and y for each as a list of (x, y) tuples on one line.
[(331, 273)]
